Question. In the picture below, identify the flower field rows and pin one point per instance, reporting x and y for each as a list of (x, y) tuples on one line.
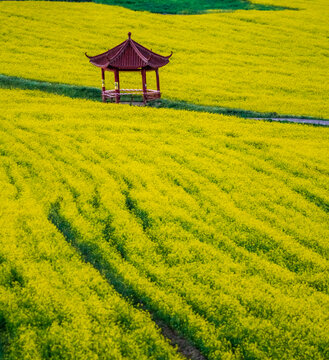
[(267, 61), (112, 220)]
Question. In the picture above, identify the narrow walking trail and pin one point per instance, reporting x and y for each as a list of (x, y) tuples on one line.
[(296, 120)]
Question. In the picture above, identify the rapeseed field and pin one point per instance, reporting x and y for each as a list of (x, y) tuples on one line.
[(267, 61), (115, 218), (140, 233)]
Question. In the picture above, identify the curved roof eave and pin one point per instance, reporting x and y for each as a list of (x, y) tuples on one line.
[(120, 57)]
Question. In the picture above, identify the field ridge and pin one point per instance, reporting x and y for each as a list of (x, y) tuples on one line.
[(94, 94)]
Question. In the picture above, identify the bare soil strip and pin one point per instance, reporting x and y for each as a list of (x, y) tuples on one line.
[(183, 345)]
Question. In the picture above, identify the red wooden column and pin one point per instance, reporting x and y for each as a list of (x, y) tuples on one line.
[(117, 85), (158, 81), (103, 86), (144, 85)]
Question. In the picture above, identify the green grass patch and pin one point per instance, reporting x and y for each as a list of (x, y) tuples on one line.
[(185, 7), (72, 91), (94, 94)]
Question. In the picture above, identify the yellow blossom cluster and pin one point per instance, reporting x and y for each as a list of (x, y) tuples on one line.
[(116, 217)]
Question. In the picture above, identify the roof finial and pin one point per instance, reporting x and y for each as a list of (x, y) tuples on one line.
[(129, 35)]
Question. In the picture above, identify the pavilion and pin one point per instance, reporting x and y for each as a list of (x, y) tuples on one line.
[(129, 56)]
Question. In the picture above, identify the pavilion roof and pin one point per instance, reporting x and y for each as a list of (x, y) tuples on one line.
[(129, 55)]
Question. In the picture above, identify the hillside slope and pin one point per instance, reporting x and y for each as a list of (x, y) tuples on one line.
[(268, 61), (215, 226)]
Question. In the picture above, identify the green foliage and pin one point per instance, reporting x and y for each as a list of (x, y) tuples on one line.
[(116, 216), (83, 92), (184, 7), (188, 6)]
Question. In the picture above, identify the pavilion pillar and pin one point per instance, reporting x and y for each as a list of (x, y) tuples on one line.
[(117, 85), (158, 81), (144, 85), (103, 85)]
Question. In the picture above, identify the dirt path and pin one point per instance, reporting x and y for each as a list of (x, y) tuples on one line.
[(294, 120)]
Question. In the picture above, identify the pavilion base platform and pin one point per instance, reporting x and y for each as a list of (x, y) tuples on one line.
[(130, 96)]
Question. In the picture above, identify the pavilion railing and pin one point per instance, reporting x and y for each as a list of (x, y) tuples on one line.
[(128, 94)]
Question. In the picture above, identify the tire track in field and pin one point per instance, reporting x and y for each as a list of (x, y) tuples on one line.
[(140, 214), (136, 298), (146, 223), (91, 254), (108, 233)]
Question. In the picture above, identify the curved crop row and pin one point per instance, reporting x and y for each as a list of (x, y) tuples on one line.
[(214, 224)]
